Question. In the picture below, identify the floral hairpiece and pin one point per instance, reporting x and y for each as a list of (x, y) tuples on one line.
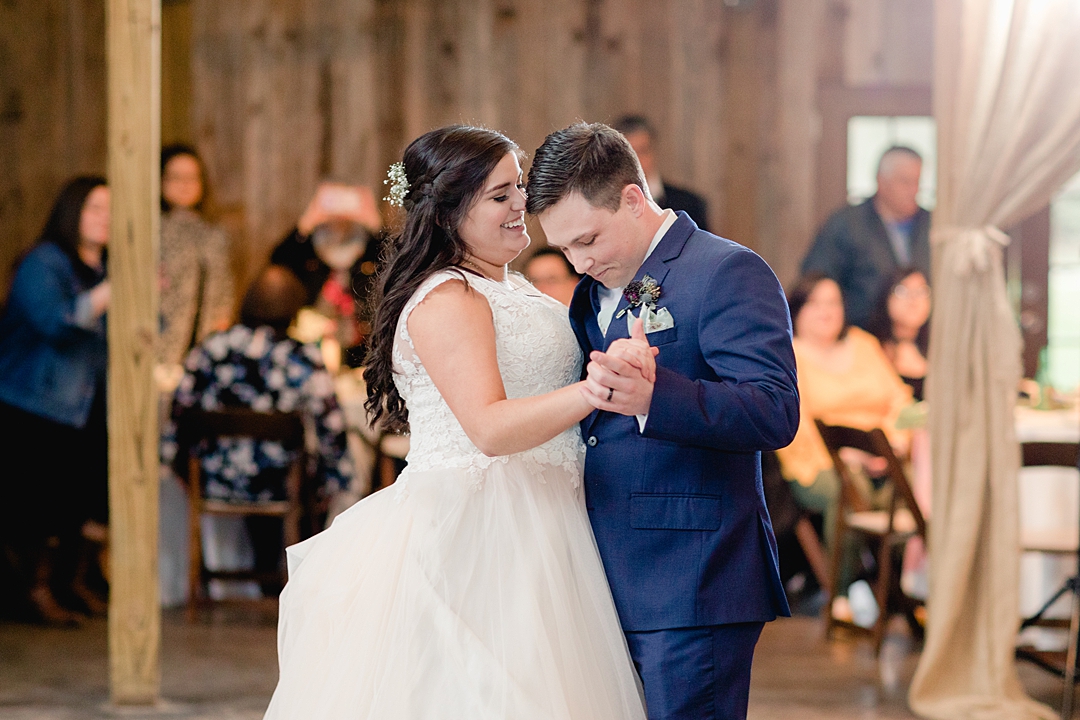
[(399, 184)]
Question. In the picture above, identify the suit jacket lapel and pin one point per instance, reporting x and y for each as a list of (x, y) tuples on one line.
[(583, 316), (655, 266), (586, 304), (583, 308), (881, 233)]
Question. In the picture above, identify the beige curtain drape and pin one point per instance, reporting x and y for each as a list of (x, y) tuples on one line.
[(1007, 102)]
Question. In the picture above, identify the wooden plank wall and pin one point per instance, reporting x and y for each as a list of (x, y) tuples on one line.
[(282, 99), (279, 93), (52, 111)]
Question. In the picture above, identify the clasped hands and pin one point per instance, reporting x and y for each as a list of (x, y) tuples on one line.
[(621, 379)]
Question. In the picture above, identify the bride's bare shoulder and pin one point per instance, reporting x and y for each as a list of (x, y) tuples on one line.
[(450, 304)]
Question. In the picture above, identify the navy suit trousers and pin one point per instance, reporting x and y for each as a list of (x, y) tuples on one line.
[(698, 673)]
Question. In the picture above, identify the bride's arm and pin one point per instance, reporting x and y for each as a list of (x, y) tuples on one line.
[(454, 337)]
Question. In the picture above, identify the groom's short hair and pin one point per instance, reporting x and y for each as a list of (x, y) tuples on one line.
[(592, 159)]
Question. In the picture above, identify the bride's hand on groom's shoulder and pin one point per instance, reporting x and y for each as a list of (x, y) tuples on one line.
[(621, 379)]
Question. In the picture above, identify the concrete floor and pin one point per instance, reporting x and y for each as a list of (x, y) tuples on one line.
[(224, 668)]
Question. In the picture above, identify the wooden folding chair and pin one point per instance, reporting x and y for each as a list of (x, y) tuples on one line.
[(889, 529), (788, 517), (197, 425), (1055, 542)]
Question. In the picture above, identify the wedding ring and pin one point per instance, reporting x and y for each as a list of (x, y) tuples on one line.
[(610, 392)]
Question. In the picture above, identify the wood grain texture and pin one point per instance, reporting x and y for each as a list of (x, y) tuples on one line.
[(134, 102), (175, 72), (287, 93), (277, 94), (52, 111), (798, 50)]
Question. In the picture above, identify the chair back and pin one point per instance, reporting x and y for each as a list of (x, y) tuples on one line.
[(873, 442), (197, 424), (1054, 454), (783, 510)]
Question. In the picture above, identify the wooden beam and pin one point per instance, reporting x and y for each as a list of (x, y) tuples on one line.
[(134, 133), (176, 18)]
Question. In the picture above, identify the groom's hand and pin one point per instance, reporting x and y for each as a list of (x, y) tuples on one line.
[(625, 373), (636, 351)]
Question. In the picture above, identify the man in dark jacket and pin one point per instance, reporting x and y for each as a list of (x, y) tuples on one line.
[(642, 137), (860, 246)]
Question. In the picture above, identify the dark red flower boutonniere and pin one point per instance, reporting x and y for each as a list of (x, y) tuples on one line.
[(645, 291)]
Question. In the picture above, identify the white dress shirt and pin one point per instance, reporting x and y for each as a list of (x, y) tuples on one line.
[(609, 297)]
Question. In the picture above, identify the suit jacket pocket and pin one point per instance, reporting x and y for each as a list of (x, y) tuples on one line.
[(662, 337), (674, 512)]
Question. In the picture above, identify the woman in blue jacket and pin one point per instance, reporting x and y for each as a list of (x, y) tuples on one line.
[(52, 399)]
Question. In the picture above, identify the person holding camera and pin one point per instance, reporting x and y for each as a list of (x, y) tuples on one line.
[(334, 250)]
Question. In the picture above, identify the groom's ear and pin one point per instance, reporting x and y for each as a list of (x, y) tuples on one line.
[(634, 198)]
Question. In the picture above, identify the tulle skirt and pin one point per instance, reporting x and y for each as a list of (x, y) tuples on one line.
[(452, 595)]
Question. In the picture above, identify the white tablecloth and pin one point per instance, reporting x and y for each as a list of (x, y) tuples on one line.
[(1049, 499)]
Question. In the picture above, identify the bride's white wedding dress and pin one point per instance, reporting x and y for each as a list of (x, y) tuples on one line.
[(472, 588)]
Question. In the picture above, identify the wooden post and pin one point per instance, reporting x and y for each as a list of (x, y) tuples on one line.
[(134, 122)]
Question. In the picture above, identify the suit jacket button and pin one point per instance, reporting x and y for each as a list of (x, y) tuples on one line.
[(592, 441)]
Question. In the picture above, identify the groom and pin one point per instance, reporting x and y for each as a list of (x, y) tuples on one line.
[(673, 470)]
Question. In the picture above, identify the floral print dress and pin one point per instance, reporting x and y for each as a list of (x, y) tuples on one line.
[(251, 368)]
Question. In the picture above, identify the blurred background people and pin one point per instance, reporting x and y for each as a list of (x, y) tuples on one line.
[(334, 250), (197, 291), (53, 360), (859, 246), (552, 273), (901, 323), (256, 365), (643, 138), (197, 296), (844, 379)]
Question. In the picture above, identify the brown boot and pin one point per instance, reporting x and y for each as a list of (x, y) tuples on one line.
[(96, 605), (88, 565), (44, 603), (51, 612)]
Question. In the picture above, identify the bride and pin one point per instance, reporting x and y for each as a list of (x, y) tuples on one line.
[(472, 588)]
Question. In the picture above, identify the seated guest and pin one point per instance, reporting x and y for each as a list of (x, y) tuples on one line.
[(53, 357), (551, 272), (334, 250), (844, 379), (900, 322), (255, 365)]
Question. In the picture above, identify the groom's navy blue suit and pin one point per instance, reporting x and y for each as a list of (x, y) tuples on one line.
[(678, 508)]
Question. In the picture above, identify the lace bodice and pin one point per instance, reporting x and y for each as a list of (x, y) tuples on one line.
[(537, 353)]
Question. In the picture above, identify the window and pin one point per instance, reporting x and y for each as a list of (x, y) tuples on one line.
[(871, 135), (1063, 321)]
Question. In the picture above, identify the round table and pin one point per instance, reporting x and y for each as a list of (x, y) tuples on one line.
[(1049, 499)]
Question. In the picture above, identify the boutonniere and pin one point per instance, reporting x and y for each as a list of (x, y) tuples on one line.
[(645, 291), (643, 294)]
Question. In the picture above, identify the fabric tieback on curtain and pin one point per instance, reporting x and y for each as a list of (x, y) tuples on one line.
[(973, 246)]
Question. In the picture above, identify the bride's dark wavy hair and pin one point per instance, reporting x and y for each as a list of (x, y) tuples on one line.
[(446, 170)]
